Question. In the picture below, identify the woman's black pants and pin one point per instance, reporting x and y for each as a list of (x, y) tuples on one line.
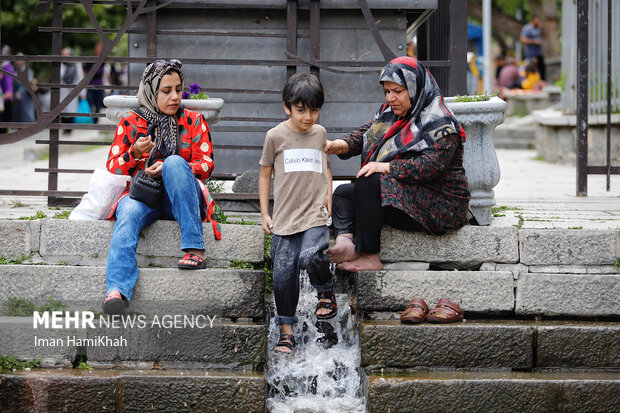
[(357, 210)]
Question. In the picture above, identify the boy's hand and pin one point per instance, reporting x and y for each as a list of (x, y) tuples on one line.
[(328, 204), (336, 147), (267, 224)]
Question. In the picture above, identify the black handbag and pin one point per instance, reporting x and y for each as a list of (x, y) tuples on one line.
[(143, 188)]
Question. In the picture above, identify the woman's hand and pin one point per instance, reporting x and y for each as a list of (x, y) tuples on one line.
[(154, 171), (336, 147), (143, 145), (374, 167)]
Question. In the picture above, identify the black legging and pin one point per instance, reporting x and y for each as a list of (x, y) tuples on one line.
[(357, 210)]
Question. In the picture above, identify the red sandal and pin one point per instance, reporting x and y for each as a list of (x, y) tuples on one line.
[(201, 263), (330, 305), (415, 312), (445, 312)]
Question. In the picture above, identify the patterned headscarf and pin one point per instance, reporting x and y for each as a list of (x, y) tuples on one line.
[(427, 120), (167, 126)]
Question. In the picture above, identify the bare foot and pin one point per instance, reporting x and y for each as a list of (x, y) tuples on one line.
[(344, 250), (365, 262)]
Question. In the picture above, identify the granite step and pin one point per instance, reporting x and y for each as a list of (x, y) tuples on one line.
[(56, 241), (225, 293), (419, 391), (135, 390), (166, 341), (491, 344), (505, 293)]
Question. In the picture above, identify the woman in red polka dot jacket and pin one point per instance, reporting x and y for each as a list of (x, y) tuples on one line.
[(183, 159)]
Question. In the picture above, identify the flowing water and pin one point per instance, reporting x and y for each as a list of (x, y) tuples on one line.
[(323, 373)]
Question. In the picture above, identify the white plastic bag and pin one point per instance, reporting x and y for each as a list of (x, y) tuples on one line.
[(104, 189)]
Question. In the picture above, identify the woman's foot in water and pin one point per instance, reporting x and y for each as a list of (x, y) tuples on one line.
[(344, 250), (365, 262)]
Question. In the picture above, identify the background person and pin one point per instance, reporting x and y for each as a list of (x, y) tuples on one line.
[(531, 36)]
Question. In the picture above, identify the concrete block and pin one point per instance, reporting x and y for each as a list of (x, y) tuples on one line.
[(468, 247), (474, 291), (223, 292), (577, 345), (558, 247), (559, 269), (476, 344), (87, 242), (19, 238), (138, 390), (224, 345), (406, 266), (583, 295), (493, 392), (19, 339)]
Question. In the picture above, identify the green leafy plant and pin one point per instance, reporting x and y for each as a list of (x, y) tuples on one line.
[(240, 264), (8, 363), (214, 187), (24, 307), (37, 215), (17, 261), (62, 215), (617, 264), (52, 305), (195, 92), (476, 98), (219, 215), (268, 265), (82, 365), (18, 204)]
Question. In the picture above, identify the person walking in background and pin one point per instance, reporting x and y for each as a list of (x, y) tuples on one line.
[(6, 85), (531, 36), (70, 74), (23, 105), (95, 96)]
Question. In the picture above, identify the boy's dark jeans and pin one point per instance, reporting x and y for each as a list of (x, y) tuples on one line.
[(291, 254)]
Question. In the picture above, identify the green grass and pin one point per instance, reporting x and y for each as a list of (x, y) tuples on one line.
[(268, 265), (242, 222), (18, 204), (24, 307), (82, 365), (476, 98), (17, 261), (62, 215), (617, 264), (539, 158), (240, 264), (37, 215), (8, 363), (521, 222), (575, 227), (496, 210)]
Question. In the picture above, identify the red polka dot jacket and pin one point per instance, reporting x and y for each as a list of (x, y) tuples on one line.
[(196, 149)]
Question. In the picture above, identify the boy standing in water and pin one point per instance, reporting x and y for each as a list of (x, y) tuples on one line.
[(302, 193)]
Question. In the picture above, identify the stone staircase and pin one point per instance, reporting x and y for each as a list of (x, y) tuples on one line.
[(541, 332), (542, 328), (213, 360)]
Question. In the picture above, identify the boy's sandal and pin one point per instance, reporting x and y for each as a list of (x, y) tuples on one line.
[(445, 312), (286, 340), (415, 312), (200, 263), (114, 303), (330, 305)]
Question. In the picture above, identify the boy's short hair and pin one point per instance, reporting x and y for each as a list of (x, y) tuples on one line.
[(304, 88)]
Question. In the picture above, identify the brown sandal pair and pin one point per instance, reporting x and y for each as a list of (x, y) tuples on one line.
[(444, 312)]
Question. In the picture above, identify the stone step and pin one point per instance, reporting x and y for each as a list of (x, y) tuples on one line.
[(230, 293), (514, 136), (132, 391), (57, 241), (491, 344), (494, 392), (165, 341), (494, 292)]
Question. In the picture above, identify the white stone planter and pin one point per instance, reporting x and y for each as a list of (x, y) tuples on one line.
[(479, 158), (119, 105)]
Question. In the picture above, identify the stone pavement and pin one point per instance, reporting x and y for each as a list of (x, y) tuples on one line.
[(532, 192)]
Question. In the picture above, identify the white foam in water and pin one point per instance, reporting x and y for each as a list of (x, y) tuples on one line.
[(315, 378)]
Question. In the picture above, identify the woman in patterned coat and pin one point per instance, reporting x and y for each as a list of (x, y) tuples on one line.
[(183, 159), (412, 175)]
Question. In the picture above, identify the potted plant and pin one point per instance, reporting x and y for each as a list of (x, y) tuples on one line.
[(479, 115), (196, 100)]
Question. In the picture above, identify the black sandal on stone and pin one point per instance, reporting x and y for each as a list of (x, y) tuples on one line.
[(115, 303), (286, 340), (330, 305)]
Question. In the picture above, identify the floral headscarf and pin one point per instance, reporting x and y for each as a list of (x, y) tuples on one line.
[(167, 126), (427, 120)]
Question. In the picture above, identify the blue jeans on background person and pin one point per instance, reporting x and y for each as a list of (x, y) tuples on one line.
[(182, 201)]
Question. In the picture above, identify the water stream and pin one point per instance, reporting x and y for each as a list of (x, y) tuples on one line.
[(323, 373)]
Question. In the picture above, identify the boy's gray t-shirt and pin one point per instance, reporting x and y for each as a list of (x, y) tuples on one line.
[(300, 177)]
